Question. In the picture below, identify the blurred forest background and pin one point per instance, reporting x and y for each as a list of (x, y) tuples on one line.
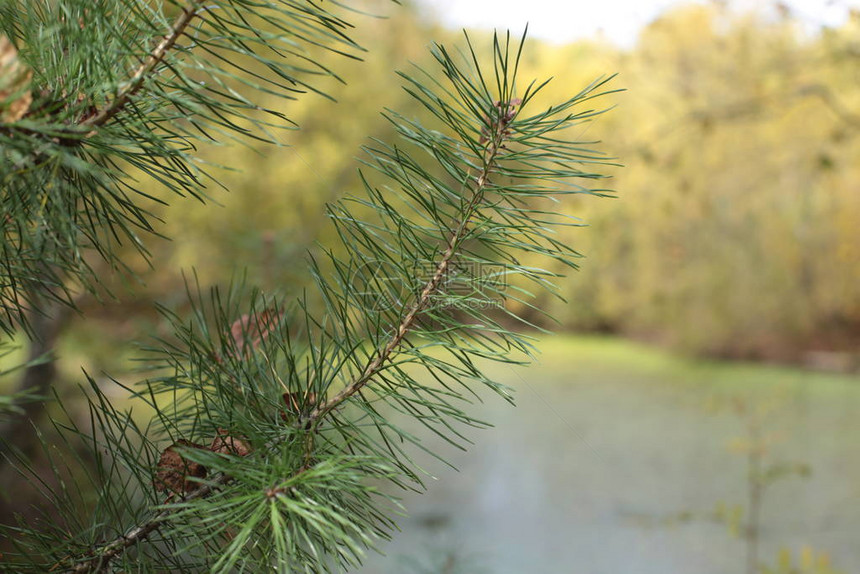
[(736, 228), (733, 233)]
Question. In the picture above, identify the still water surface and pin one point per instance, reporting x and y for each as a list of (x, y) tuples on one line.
[(609, 446)]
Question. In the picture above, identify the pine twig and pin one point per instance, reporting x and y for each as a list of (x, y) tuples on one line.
[(102, 559), (146, 67), (106, 553), (376, 363)]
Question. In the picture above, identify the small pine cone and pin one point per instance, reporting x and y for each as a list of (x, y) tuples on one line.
[(249, 331), (295, 402), (224, 443), (174, 470)]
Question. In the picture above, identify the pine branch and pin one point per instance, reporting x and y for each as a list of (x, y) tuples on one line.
[(106, 93), (101, 558), (374, 366), (500, 133), (299, 494), (146, 67), (135, 82)]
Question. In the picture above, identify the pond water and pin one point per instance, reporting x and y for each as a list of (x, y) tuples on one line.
[(615, 459)]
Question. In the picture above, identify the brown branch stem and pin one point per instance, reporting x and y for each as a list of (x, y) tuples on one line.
[(111, 550), (146, 67), (378, 359)]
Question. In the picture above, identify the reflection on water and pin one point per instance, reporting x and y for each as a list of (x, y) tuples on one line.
[(606, 465)]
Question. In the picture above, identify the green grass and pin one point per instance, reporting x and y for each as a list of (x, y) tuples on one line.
[(598, 355)]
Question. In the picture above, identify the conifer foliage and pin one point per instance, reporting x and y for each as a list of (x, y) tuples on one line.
[(276, 440)]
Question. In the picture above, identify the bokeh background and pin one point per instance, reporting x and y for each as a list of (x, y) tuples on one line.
[(698, 404)]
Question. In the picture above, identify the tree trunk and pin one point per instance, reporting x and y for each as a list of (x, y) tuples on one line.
[(18, 432)]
